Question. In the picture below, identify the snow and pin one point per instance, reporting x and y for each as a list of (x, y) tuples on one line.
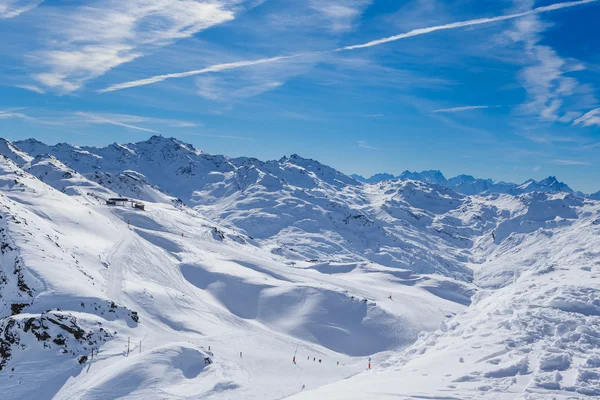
[(249, 264), (469, 185)]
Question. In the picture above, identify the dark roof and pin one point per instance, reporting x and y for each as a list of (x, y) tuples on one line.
[(118, 199)]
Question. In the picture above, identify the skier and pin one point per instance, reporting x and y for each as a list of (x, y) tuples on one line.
[(314, 359), (240, 354), (319, 361), (303, 386), (308, 358), (390, 297), (208, 348)]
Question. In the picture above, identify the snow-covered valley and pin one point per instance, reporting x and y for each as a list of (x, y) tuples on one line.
[(245, 279)]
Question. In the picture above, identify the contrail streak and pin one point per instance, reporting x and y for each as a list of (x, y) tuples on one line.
[(102, 120), (378, 42), (473, 22), (212, 68)]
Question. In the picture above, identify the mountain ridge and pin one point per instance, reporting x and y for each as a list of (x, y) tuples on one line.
[(463, 183), (468, 184)]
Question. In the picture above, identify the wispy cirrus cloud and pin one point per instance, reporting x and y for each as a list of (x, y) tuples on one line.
[(14, 8), (137, 119), (325, 16), (546, 76), (128, 121), (231, 137), (14, 113), (97, 119), (298, 116), (416, 32), (590, 118), (342, 14), (365, 145), (97, 36), (463, 108), (570, 162), (31, 88)]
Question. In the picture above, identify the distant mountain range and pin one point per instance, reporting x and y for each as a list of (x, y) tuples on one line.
[(467, 184)]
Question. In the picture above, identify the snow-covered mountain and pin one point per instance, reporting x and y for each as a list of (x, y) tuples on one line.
[(470, 185), (375, 178), (284, 274), (550, 184)]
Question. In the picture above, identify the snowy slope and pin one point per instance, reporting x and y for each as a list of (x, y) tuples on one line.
[(538, 337), (273, 259), (141, 280)]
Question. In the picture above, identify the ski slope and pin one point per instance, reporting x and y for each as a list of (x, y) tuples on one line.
[(537, 337), (255, 265)]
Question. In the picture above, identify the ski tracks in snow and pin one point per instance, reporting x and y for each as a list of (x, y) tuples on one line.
[(115, 281)]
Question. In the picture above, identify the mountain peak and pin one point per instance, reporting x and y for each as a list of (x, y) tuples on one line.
[(157, 141), (549, 184), (429, 176)]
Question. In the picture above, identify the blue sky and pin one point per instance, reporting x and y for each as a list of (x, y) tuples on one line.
[(506, 89)]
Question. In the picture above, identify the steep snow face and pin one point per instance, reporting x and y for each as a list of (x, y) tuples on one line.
[(12, 152)]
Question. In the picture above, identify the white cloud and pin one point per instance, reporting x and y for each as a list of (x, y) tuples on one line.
[(14, 113), (85, 118), (14, 8), (589, 119), (570, 162), (415, 32), (550, 91), (461, 109), (31, 88), (226, 91), (297, 115), (365, 145), (234, 137), (93, 38), (536, 168), (341, 13), (97, 119)]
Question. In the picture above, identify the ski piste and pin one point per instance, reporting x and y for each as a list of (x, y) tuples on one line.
[(399, 287)]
